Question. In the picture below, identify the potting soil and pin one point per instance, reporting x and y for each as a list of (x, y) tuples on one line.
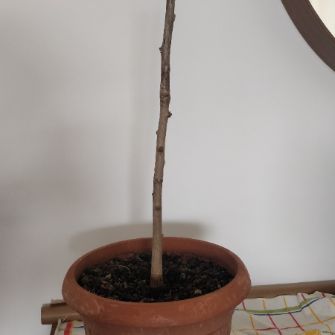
[(128, 278)]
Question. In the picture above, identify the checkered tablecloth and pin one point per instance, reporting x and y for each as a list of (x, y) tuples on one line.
[(308, 314)]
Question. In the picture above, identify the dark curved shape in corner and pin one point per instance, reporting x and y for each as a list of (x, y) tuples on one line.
[(312, 29)]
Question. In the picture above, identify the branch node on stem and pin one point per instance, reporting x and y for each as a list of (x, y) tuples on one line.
[(159, 181)]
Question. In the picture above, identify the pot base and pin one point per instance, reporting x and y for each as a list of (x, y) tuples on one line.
[(198, 329)]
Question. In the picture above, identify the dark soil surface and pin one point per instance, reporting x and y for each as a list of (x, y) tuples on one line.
[(128, 278)]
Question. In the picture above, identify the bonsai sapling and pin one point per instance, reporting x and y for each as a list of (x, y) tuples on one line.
[(186, 276), (156, 278)]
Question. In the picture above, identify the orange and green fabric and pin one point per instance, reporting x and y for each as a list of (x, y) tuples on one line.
[(306, 314)]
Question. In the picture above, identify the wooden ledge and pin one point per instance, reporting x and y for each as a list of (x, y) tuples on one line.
[(58, 309), (270, 291), (51, 313)]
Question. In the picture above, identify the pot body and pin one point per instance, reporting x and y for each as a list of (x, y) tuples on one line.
[(209, 314)]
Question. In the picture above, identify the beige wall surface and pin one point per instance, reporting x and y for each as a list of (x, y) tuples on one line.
[(250, 148)]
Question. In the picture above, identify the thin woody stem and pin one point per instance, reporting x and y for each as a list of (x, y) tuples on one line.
[(156, 261)]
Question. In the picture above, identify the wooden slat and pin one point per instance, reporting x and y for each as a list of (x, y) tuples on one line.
[(53, 329), (268, 291), (52, 312)]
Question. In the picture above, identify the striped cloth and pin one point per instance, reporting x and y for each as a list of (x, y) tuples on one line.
[(70, 328), (305, 314), (309, 314)]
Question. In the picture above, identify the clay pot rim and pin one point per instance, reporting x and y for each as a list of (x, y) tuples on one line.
[(141, 302), (104, 309)]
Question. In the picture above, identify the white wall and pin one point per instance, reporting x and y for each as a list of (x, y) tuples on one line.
[(251, 144)]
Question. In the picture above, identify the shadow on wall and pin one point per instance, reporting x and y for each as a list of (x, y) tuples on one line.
[(91, 239)]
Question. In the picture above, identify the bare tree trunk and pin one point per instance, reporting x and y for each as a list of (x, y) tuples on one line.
[(156, 262)]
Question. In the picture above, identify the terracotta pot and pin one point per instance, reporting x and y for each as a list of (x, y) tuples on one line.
[(209, 314)]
